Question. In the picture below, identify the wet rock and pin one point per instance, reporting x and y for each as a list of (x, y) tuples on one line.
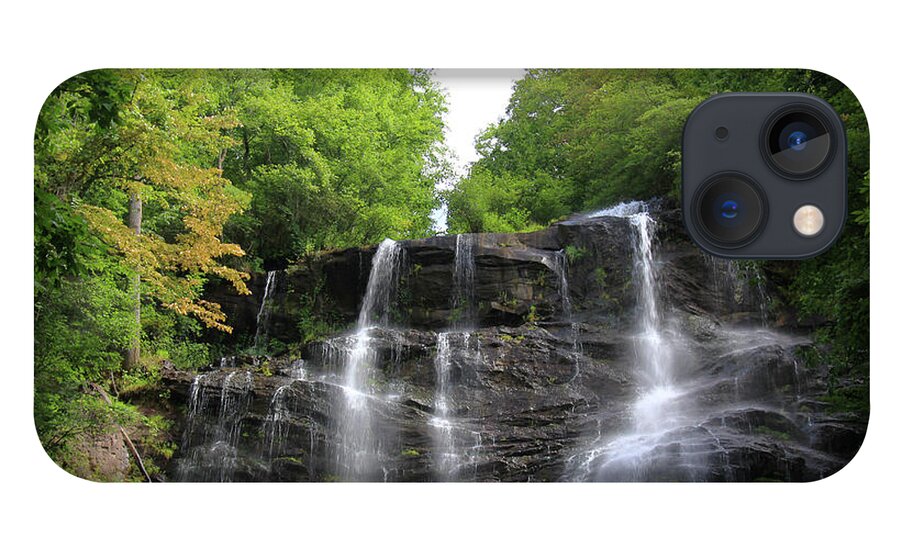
[(542, 387)]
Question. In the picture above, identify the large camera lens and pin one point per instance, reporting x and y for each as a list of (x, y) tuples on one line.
[(731, 209), (797, 142)]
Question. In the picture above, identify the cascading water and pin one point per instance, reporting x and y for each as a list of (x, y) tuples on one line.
[(763, 296), (562, 271), (624, 209), (443, 431), (681, 390), (212, 438), (738, 284), (668, 438), (358, 454), (280, 410), (448, 437), (653, 410), (262, 316), (658, 406), (464, 303)]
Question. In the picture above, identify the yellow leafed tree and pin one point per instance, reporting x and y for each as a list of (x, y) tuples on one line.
[(165, 157)]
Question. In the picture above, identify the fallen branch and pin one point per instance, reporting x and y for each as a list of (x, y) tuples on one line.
[(131, 447)]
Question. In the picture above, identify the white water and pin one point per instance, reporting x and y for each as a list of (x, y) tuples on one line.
[(262, 316), (277, 425), (653, 354), (445, 454), (358, 454), (659, 402), (665, 437), (464, 302), (624, 209), (279, 411), (562, 274), (450, 440), (212, 442)]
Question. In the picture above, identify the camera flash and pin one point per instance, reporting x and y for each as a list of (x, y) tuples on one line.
[(809, 220)]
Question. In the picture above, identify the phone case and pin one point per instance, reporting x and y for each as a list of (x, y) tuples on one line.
[(562, 326)]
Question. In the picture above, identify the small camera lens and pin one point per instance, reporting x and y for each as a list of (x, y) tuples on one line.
[(731, 209), (798, 142)]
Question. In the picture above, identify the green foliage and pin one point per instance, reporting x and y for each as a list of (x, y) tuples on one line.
[(289, 459), (861, 215), (485, 202), (264, 369), (314, 319), (835, 286), (575, 139), (81, 327), (333, 158), (574, 253), (532, 316), (848, 399), (156, 444), (774, 433), (174, 338)]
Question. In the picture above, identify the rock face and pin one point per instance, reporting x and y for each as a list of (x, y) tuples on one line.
[(514, 273), (541, 386)]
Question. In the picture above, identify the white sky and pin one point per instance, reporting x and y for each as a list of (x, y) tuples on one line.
[(475, 99)]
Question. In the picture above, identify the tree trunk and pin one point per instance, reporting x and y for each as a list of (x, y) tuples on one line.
[(135, 214)]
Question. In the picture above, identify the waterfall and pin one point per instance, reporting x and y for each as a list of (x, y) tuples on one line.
[(464, 303), (656, 410), (737, 284), (262, 316), (624, 209), (562, 274), (212, 438), (762, 296), (277, 423), (445, 462), (358, 455), (456, 446), (653, 354), (657, 407), (677, 382), (446, 433), (279, 411)]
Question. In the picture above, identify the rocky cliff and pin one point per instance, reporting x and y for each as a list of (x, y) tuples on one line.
[(536, 373)]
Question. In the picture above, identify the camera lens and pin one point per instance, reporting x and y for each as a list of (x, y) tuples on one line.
[(731, 209), (798, 142)]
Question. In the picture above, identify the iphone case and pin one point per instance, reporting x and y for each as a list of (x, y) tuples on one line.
[(563, 328)]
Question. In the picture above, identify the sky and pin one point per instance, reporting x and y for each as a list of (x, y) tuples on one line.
[(475, 99)]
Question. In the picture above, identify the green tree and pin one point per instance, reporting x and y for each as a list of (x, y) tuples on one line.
[(116, 151), (333, 158)]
